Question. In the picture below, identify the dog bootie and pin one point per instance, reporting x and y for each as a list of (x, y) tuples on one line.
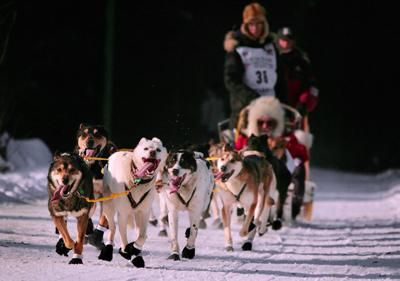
[(138, 261), (96, 239), (247, 246), (61, 249), (129, 251), (202, 224), (76, 259), (188, 253), (174, 257), (153, 222), (276, 224), (106, 253), (162, 233), (229, 248)]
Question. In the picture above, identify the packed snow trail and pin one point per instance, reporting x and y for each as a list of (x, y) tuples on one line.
[(354, 235)]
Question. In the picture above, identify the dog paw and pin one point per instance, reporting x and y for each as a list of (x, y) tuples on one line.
[(129, 251), (247, 246), (138, 261), (165, 220), (239, 211), (162, 233), (96, 239), (153, 222), (276, 224), (188, 253), (229, 249), (61, 249), (174, 257), (106, 253), (124, 254), (76, 261)]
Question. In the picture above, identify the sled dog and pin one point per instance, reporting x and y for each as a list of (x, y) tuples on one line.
[(134, 173), (69, 180), (249, 180), (190, 183)]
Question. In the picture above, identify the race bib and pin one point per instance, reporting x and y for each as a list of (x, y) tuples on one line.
[(260, 68)]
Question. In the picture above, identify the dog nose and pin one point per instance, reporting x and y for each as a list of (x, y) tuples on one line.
[(175, 172), (152, 154), (223, 169), (65, 180)]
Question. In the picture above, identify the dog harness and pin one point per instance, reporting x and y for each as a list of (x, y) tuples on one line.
[(134, 204), (237, 197), (183, 201)]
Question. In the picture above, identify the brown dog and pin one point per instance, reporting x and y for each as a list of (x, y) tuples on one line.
[(248, 180), (93, 145), (69, 180)]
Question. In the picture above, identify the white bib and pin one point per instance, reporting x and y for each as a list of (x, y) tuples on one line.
[(260, 68)]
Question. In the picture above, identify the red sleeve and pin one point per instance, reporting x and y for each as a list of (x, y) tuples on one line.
[(241, 142), (297, 150)]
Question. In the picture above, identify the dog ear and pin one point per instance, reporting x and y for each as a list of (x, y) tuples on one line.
[(82, 126), (157, 140), (57, 155), (142, 140)]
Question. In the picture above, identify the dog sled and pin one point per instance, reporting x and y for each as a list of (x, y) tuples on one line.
[(293, 121)]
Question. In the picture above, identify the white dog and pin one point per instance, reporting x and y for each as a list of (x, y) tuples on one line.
[(190, 183), (134, 172)]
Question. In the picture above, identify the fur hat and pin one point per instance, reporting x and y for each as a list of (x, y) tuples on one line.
[(251, 12), (262, 106), (254, 11)]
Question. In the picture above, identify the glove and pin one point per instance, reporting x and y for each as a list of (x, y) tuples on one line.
[(309, 98)]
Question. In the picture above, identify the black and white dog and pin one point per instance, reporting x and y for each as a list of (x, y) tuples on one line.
[(190, 183)]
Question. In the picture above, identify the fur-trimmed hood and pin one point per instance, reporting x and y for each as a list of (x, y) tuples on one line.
[(262, 106)]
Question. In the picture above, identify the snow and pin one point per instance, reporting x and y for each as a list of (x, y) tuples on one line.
[(354, 235)]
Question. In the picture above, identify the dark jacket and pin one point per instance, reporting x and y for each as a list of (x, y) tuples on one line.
[(240, 94)]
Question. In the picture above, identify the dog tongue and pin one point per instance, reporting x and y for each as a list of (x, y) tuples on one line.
[(174, 184), (147, 166), (58, 192), (90, 152), (218, 175)]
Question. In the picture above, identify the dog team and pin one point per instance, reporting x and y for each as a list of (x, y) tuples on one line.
[(124, 184)]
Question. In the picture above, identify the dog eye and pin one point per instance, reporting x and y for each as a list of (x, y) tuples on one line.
[(232, 160), (72, 170), (84, 135), (158, 150), (146, 148), (59, 170)]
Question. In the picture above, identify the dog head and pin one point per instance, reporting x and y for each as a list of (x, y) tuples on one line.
[(215, 152), (91, 140), (229, 164), (148, 156), (65, 175), (180, 166)]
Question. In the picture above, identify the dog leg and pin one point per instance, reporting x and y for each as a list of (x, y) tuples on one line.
[(173, 228), (194, 219), (107, 251), (248, 222), (78, 247), (141, 221), (61, 225), (163, 218), (226, 220)]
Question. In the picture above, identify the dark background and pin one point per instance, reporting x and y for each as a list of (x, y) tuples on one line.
[(166, 54)]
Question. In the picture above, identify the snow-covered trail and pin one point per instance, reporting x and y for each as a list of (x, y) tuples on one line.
[(355, 235)]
